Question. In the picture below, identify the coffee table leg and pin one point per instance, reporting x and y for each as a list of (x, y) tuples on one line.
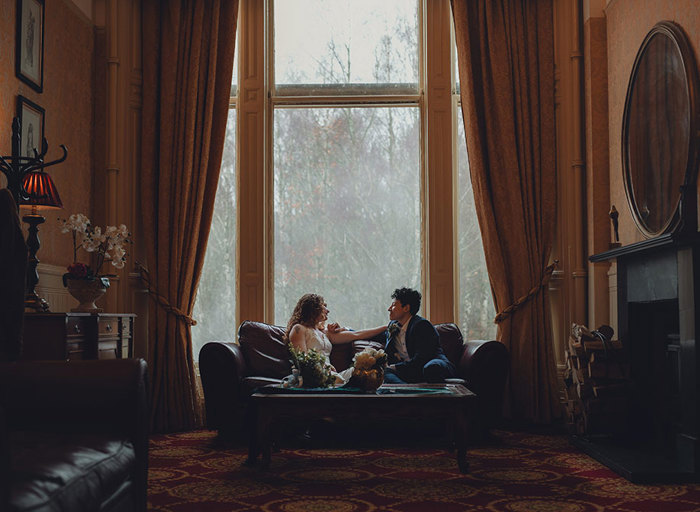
[(460, 433), (462, 461), (265, 437), (252, 426)]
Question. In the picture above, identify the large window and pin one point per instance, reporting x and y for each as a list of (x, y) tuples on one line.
[(345, 170), (347, 218)]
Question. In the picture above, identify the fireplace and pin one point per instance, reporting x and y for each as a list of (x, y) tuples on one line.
[(658, 305)]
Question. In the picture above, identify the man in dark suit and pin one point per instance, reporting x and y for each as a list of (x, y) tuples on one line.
[(413, 345)]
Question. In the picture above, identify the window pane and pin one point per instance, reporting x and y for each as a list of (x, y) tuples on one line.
[(214, 308), (347, 209), (234, 78), (346, 46), (476, 311)]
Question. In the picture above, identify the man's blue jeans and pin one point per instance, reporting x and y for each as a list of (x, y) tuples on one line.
[(435, 370)]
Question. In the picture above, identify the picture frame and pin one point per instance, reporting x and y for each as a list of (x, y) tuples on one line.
[(29, 50), (31, 121)]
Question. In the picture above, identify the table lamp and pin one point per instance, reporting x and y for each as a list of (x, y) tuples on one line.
[(41, 193)]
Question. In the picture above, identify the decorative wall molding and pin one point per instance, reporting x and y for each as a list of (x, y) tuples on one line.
[(569, 302), (50, 287)]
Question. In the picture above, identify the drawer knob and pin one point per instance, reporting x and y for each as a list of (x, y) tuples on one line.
[(109, 327), (76, 327)]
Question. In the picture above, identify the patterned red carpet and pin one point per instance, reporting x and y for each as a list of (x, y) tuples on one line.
[(519, 473)]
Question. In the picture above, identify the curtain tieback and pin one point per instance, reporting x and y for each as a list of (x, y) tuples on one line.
[(534, 291), (160, 299)]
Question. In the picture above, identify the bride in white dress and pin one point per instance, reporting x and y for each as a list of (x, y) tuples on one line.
[(307, 330)]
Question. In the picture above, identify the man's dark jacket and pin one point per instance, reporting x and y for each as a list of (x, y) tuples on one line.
[(422, 345)]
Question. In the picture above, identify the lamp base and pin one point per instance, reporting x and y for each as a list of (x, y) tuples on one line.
[(33, 302)]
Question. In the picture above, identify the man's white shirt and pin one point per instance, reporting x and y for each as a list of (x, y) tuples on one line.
[(400, 343)]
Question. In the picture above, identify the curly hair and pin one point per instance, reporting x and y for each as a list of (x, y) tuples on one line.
[(307, 310), (408, 297)]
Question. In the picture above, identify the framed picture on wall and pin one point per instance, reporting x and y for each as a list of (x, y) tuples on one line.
[(29, 51), (31, 122)]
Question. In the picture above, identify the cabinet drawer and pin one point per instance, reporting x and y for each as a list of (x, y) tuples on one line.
[(107, 349), (126, 327), (108, 327), (75, 327), (76, 350)]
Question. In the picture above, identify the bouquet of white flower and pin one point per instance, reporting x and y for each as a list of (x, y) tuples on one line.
[(107, 245)]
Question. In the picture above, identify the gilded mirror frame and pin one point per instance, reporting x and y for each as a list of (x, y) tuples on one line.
[(682, 155)]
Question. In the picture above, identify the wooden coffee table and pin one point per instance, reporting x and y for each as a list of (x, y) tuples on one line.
[(451, 402)]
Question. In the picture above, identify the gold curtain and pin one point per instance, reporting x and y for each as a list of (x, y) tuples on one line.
[(505, 50), (188, 48)]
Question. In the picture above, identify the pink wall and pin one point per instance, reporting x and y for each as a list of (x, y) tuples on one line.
[(67, 98), (628, 22)]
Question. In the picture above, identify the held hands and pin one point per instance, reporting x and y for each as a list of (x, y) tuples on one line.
[(335, 327)]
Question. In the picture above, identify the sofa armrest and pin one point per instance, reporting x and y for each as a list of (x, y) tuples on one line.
[(106, 396), (222, 366), (484, 366)]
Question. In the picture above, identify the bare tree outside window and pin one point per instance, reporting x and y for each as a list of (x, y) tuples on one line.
[(347, 209), (346, 179)]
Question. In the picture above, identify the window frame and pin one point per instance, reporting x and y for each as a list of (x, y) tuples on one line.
[(256, 104)]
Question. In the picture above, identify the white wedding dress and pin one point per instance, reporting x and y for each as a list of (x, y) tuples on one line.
[(317, 340)]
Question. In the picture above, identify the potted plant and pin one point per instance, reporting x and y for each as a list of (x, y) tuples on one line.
[(84, 281)]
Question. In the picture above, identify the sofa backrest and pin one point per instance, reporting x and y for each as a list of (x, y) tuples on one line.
[(266, 353), (451, 341), (264, 349)]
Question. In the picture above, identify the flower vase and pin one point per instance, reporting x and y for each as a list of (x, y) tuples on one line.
[(368, 380), (86, 292)]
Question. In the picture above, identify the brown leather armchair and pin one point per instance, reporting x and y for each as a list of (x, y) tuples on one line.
[(73, 434), (230, 371)]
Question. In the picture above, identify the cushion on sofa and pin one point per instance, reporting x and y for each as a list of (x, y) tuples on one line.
[(342, 354), (65, 471), (451, 341), (264, 349)]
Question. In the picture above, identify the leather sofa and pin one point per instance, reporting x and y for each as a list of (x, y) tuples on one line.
[(73, 435), (230, 371)]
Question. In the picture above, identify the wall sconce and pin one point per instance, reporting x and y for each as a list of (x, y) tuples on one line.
[(41, 193)]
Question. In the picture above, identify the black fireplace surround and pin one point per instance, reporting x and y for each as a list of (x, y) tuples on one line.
[(658, 300)]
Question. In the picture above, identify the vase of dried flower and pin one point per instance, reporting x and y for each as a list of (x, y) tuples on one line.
[(86, 292)]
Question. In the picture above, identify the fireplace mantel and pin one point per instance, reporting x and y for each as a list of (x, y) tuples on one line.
[(658, 304)]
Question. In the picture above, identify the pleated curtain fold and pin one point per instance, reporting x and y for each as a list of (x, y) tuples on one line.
[(505, 52), (188, 48)]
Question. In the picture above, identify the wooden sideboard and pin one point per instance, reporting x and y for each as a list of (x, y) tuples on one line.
[(61, 336)]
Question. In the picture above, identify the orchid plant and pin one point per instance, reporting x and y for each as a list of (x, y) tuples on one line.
[(107, 245)]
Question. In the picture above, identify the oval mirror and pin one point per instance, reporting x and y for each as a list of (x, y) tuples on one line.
[(659, 129)]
